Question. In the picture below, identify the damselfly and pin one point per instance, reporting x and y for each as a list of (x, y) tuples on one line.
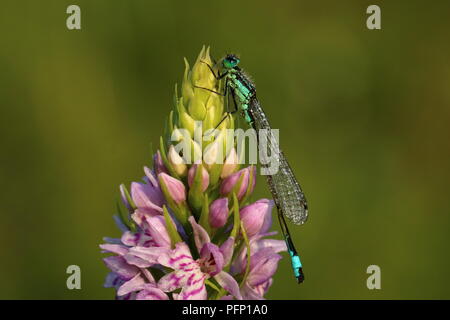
[(285, 189)]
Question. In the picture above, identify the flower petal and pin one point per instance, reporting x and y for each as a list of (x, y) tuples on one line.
[(144, 257), (218, 212), (195, 291), (177, 258), (158, 163), (257, 217), (175, 188), (276, 245), (137, 239), (200, 234), (262, 266), (249, 293), (228, 283), (227, 249), (114, 248), (147, 198), (121, 267), (151, 293), (112, 280), (157, 230), (204, 177), (135, 284), (268, 218), (173, 281), (230, 182), (153, 180), (213, 258)]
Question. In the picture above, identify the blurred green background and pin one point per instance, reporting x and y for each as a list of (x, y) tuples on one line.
[(363, 118)]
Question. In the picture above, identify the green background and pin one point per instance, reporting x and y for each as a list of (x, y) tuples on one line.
[(363, 118)]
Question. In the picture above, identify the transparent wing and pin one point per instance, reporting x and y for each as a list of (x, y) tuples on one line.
[(286, 190)]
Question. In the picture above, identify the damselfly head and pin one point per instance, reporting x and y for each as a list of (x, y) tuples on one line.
[(230, 61)]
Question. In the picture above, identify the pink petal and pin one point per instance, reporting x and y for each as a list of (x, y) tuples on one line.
[(249, 293), (173, 281), (153, 180), (228, 283), (230, 182), (114, 248), (130, 239), (257, 217), (256, 244), (151, 293), (205, 177), (121, 267), (218, 212), (268, 218), (200, 234), (176, 188), (158, 163), (213, 258), (227, 249), (132, 285), (144, 257), (157, 230), (239, 262), (176, 258), (263, 265), (141, 239), (276, 245), (146, 197), (195, 291)]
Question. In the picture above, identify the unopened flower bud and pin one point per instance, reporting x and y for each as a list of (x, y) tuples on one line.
[(177, 162), (204, 177), (257, 216), (232, 181), (218, 213), (230, 165), (175, 188)]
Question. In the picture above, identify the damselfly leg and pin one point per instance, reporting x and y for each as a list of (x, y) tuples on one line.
[(224, 94)]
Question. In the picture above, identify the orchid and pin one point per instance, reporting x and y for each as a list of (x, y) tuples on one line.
[(189, 230)]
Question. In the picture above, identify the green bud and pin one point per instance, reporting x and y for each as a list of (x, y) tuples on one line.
[(187, 89), (196, 196), (186, 121), (197, 108)]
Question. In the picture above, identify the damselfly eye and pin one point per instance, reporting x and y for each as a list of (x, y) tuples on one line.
[(230, 61)]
